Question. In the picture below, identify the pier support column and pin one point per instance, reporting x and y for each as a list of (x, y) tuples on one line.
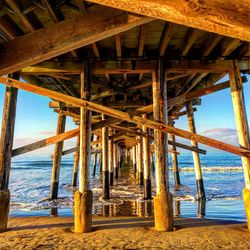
[(196, 157), (76, 163), (134, 158), (146, 164), (100, 160), (116, 169), (242, 129), (139, 161), (83, 197), (6, 144), (174, 160), (163, 201), (61, 121), (105, 163), (111, 160), (95, 157), (94, 164)]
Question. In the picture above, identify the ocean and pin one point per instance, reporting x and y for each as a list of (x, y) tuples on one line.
[(222, 173)]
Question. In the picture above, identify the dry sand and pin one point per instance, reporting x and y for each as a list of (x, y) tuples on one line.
[(123, 233)]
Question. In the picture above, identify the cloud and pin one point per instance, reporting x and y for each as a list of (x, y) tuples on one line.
[(47, 132), (227, 135)]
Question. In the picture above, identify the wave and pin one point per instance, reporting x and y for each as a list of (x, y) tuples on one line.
[(213, 169)]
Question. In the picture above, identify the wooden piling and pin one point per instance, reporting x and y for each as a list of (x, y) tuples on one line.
[(242, 129), (116, 169), (196, 157), (134, 159), (105, 163), (139, 161), (111, 159), (100, 160), (6, 144), (174, 160), (83, 197), (76, 163), (95, 158), (163, 201), (61, 121), (146, 164)]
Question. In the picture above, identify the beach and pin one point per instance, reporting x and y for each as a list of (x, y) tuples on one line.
[(125, 221), (123, 233)]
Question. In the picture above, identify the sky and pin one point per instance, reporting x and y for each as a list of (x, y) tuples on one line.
[(36, 121)]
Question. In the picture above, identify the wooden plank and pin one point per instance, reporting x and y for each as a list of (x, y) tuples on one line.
[(9, 29), (199, 66), (96, 50), (13, 4), (120, 115), (189, 40), (142, 37), (118, 45), (102, 67), (166, 36), (200, 92), (208, 15), (213, 40), (61, 38)]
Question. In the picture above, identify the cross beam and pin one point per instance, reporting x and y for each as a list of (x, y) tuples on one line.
[(126, 116)]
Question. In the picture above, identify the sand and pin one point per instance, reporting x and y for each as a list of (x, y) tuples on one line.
[(123, 233)]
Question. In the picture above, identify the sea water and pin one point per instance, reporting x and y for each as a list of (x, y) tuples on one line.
[(222, 173)]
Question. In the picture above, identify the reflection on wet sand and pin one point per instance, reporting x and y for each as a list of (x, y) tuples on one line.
[(127, 199)]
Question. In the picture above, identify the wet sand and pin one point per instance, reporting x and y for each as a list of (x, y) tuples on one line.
[(123, 233)]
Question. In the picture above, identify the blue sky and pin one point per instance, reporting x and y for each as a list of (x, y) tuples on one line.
[(35, 120)]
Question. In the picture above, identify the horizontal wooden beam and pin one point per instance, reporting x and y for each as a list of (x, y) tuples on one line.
[(49, 141), (104, 67), (186, 147), (126, 116), (224, 17), (64, 37), (45, 142), (200, 92)]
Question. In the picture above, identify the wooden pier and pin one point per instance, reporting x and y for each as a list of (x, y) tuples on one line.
[(124, 71)]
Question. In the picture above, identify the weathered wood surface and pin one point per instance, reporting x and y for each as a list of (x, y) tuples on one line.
[(7, 133), (61, 122), (111, 67), (146, 151), (160, 139), (163, 203), (105, 163), (200, 92), (76, 161), (209, 15), (174, 159), (85, 132), (125, 116), (196, 157), (61, 38), (240, 119), (45, 142)]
